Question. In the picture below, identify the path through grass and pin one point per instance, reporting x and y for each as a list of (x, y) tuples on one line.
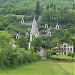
[(41, 68)]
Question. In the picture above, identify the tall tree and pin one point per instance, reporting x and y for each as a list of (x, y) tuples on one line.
[(73, 5), (47, 6), (51, 5), (54, 7), (37, 11)]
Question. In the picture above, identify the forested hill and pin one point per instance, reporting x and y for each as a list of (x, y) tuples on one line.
[(13, 6), (52, 12)]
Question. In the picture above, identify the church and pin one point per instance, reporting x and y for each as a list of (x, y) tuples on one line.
[(34, 30)]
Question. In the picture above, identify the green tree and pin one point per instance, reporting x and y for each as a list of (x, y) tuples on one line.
[(66, 37), (73, 41), (36, 43), (47, 7), (50, 16), (48, 55), (54, 7), (22, 42), (55, 41), (73, 5), (6, 42), (37, 11)]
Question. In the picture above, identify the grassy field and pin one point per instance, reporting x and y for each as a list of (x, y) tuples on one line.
[(42, 68), (62, 57)]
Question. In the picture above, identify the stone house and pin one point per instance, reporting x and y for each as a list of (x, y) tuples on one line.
[(63, 49)]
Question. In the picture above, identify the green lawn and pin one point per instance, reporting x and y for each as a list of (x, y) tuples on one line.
[(62, 57), (41, 68)]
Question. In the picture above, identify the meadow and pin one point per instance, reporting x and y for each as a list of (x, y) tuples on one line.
[(48, 67), (63, 57)]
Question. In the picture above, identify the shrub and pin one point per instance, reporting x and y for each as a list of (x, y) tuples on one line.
[(48, 55), (69, 54), (72, 55), (16, 56)]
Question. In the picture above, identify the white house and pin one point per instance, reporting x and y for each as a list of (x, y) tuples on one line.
[(46, 26), (57, 26), (63, 49), (67, 48), (22, 21), (49, 33)]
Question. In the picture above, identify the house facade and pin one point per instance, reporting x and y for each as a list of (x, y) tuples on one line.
[(63, 49)]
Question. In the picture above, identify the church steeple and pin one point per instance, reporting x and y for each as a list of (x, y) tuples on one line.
[(34, 30), (34, 26)]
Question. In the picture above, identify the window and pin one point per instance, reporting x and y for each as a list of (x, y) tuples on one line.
[(33, 36), (62, 48), (64, 45), (70, 49), (49, 33), (17, 37)]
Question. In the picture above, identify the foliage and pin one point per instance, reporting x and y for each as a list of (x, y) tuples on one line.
[(5, 46), (36, 43), (11, 6), (37, 11), (69, 54), (72, 55), (10, 56), (48, 53), (22, 42)]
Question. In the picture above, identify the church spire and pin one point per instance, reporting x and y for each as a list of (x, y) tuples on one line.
[(34, 26), (34, 30)]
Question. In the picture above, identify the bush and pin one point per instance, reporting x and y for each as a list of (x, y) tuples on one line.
[(48, 55), (16, 56), (72, 55), (10, 56), (69, 54), (32, 54)]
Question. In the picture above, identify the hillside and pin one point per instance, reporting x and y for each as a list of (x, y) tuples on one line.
[(52, 12), (14, 6)]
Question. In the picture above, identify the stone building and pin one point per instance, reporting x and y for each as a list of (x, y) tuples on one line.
[(49, 33), (67, 48), (17, 35), (34, 30), (46, 26), (63, 49), (57, 26), (22, 21)]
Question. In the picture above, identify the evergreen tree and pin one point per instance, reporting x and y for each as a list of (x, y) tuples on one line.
[(47, 6), (51, 5), (37, 11), (54, 7), (73, 6)]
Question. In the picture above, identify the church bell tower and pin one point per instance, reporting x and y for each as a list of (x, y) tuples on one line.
[(34, 30)]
